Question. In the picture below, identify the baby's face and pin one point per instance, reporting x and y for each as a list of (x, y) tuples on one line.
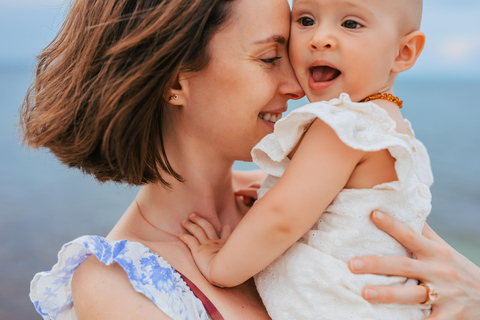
[(344, 46)]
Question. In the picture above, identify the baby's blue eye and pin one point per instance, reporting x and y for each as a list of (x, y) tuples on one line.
[(350, 24), (306, 22)]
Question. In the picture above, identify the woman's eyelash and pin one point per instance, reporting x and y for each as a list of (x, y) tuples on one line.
[(271, 60)]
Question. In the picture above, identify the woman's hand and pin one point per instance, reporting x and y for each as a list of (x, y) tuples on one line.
[(203, 242), (246, 184), (454, 277), (249, 194)]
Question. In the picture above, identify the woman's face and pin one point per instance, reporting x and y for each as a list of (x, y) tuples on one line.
[(247, 81)]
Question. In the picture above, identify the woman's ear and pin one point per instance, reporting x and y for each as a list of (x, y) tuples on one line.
[(178, 93), (410, 48)]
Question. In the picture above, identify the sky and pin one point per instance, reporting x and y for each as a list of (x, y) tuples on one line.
[(452, 29)]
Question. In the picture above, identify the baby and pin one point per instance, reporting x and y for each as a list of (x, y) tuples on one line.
[(330, 163)]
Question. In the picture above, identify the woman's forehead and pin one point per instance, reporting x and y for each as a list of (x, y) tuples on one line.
[(259, 20)]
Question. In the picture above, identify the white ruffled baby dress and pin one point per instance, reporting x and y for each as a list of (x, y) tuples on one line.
[(311, 280)]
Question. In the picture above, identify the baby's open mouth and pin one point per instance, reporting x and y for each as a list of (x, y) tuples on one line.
[(324, 73)]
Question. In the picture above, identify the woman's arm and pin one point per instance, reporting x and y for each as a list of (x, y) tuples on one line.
[(104, 292), (456, 279), (311, 181)]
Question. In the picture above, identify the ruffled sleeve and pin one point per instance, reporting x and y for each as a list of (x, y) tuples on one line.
[(361, 126), (424, 168), (148, 273)]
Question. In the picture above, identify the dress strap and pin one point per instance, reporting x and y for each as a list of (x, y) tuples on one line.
[(211, 309)]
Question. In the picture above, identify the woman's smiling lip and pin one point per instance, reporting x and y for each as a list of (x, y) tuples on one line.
[(271, 116)]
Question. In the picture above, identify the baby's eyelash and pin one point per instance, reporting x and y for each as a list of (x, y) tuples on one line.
[(351, 24), (271, 60), (306, 21)]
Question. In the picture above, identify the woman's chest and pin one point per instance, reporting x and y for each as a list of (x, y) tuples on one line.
[(241, 302)]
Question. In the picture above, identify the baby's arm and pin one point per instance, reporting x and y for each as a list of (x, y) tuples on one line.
[(318, 171)]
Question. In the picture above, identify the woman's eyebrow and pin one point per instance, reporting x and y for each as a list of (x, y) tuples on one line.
[(275, 38)]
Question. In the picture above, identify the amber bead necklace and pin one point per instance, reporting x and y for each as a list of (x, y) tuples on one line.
[(384, 96)]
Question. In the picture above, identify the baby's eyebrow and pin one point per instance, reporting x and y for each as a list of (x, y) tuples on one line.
[(275, 38)]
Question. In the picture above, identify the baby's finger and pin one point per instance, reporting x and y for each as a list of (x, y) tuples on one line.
[(392, 266), (195, 230), (226, 232), (190, 241), (403, 295), (205, 225), (405, 235)]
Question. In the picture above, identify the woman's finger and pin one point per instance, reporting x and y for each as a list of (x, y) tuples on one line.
[(404, 295), (226, 232), (405, 235), (440, 314), (248, 201), (249, 196), (251, 193), (195, 230), (205, 225), (432, 235), (396, 266), (190, 241)]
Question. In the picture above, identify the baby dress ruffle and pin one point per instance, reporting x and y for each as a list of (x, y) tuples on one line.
[(362, 126), (148, 273)]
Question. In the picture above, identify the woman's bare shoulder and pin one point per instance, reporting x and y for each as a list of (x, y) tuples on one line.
[(105, 292), (244, 179)]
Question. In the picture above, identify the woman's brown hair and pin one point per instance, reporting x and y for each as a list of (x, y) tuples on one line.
[(98, 95)]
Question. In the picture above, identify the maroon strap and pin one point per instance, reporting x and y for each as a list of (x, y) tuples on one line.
[(212, 311)]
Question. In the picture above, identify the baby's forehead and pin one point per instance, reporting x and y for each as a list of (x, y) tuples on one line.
[(391, 4), (407, 12)]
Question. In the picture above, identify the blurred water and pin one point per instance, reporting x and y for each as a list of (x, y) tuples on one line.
[(43, 204)]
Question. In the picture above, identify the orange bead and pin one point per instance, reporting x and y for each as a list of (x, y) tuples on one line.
[(384, 96)]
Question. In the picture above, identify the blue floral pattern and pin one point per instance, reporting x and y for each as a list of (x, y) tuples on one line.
[(148, 273)]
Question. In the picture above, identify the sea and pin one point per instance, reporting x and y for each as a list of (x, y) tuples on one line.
[(43, 204)]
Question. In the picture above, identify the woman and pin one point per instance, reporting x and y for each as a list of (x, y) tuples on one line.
[(167, 95)]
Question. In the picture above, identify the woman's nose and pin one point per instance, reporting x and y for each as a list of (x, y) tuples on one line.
[(289, 85)]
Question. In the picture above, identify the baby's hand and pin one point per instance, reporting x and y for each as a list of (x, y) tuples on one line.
[(203, 241)]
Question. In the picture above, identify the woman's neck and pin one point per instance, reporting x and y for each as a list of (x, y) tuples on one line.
[(207, 191), (207, 188)]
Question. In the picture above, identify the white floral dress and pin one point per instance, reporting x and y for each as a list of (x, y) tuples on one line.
[(149, 274), (311, 280)]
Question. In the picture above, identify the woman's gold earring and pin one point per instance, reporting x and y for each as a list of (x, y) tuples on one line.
[(174, 97)]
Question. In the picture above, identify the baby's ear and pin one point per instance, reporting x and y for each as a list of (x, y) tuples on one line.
[(410, 48)]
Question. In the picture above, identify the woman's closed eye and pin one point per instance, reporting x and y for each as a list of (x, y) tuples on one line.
[(351, 24), (271, 60)]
